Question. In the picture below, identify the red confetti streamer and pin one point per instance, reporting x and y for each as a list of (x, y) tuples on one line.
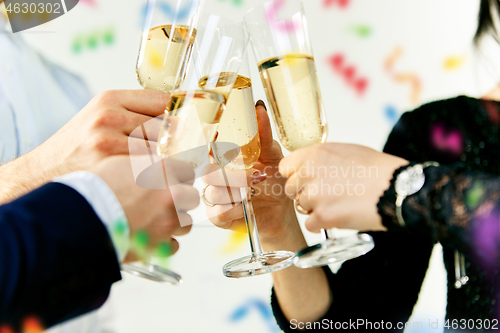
[(349, 73), (341, 3), (32, 325)]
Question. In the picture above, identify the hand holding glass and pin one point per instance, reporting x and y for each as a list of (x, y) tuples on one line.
[(281, 43)]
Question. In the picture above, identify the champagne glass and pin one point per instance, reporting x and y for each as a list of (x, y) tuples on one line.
[(194, 110), (239, 125), (282, 46), (164, 54), (196, 107), (166, 44)]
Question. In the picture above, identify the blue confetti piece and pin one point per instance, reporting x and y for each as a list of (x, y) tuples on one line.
[(169, 10), (391, 114), (262, 307)]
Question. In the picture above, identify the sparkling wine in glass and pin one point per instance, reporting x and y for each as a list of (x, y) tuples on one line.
[(281, 43), (165, 52), (239, 126), (164, 57), (194, 111)]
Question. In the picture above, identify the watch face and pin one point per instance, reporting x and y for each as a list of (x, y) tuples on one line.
[(410, 181)]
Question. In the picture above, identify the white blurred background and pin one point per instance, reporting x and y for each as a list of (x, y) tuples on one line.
[(99, 40)]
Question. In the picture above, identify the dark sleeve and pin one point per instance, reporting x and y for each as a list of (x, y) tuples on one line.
[(56, 258), (460, 208), (382, 285)]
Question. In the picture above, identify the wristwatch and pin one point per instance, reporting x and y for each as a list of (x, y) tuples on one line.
[(409, 182)]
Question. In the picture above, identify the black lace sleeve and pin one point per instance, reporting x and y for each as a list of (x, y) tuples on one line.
[(461, 208)]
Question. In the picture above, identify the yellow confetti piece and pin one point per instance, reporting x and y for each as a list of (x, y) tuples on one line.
[(155, 58), (454, 62), (236, 240)]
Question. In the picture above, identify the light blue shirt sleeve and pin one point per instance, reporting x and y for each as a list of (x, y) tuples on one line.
[(37, 97)]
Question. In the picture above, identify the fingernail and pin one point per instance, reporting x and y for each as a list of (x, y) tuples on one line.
[(258, 177), (261, 103)]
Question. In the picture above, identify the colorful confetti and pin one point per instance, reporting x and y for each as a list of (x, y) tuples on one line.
[(164, 250), (263, 308), (447, 140), (236, 240), (139, 245), (169, 10), (282, 25), (349, 73), (361, 30), (404, 78), (454, 62), (485, 231), (91, 3), (474, 195), (93, 40), (391, 114), (236, 3), (32, 325), (340, 3)]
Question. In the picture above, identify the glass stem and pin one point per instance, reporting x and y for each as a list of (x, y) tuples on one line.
[(253, 233), (328, 234)]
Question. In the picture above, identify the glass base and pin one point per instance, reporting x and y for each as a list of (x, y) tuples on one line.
[(268, 262), (152, 272), (334, 250)]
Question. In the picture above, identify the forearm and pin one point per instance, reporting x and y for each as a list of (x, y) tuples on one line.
[(303, 294), (32, 170), (20, 177)]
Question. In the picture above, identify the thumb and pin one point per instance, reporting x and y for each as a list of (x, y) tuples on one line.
[(265, 131)]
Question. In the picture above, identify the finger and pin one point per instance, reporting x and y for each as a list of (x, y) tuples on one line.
[(152, 173), (181, 231), (217, 176), (265, 131), (293, 162), (184, 197), (140, 126), (223, 216), (141, 147), (163, 229), (294, 185), (181, 170), (145, 101), (222, 195), (352, 214)]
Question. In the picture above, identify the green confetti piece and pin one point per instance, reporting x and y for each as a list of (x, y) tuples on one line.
[(164, 250), (119, 228), (361, 30), (236, 2), (474, 195), (77, 45), (109, 36), (92, 41), (141, 239)]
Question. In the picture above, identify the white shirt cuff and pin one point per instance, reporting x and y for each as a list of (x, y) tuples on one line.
[(105, 205)]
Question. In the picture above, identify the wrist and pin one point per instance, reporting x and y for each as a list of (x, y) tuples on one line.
[(289, 237)]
